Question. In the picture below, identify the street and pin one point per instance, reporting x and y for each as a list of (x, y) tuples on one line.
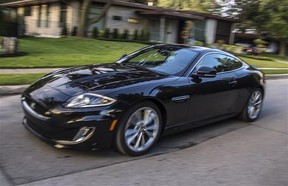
[(230, 152)]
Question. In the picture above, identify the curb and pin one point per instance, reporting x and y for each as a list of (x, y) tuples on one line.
[(18, 89), (12, 90)]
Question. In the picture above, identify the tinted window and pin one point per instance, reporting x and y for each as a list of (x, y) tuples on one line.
[(164, 60), (219, 62)]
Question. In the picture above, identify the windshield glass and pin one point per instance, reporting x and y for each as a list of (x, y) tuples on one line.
[(169, 60)]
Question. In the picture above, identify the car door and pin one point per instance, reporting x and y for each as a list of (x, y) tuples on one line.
[(212, 97)]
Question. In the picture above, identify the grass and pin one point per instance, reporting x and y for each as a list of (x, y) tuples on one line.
[(65, 52), (275, 71), (280, 58), (263, 63), (19, 79)]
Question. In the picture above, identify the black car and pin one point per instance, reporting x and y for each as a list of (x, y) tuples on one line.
[(129, 104)]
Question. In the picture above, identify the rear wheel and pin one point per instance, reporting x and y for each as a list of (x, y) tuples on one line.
[(139, 129), (253, 107)]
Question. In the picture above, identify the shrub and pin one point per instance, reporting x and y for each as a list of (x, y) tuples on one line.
[(147, 36), (142, 36), (135, 35), (95, 33), (101, 33), (198, 43), (107, 33), (64, 31), (115, 33), (74, 31), (125, 34)]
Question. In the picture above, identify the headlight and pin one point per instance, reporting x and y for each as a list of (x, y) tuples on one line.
[(89, 100)]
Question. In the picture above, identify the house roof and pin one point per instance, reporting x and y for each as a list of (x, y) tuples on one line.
[(152, 10), (27, 2), (169, 13), (146, 10)]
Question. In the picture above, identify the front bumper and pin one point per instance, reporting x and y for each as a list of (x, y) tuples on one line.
[(71, 128)]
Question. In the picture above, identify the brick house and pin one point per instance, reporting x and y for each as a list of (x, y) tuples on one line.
[(47, 17)]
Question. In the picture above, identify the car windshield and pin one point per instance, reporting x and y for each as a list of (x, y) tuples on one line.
[(170, 60)]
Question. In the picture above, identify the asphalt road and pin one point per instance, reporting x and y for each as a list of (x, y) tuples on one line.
[(231, 152)]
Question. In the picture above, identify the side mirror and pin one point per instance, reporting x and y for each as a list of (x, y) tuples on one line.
[(205, 71), (123, 56)]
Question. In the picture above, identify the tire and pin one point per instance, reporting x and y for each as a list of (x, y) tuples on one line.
[(139, 129), (253, 107)]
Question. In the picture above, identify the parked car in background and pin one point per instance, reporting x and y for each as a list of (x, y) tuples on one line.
[(251, 51)]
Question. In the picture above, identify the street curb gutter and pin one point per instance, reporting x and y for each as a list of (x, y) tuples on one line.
[(12, 90), (18, 89)]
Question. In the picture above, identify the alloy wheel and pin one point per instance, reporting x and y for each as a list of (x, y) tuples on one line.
[(255, 104), (141, 129)]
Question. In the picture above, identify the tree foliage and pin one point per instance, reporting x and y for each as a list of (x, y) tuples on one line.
[(274, 18), (202, 6)]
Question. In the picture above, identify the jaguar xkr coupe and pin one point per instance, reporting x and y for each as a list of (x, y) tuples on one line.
[(129, 104)]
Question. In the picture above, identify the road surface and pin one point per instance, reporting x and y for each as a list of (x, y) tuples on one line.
[(228, 153)]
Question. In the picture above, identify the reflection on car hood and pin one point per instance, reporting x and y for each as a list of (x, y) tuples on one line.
[(76, 80)]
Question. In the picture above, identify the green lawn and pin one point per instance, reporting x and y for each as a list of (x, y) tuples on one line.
[(18, 79), (64, 52), (263, 63), (275, 71), (71, 51), (281, 58)]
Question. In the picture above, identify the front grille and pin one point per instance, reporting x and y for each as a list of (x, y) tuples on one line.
[(33, 106)]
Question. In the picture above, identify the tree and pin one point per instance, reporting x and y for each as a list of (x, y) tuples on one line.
[(264, 16), (202, 6), (84, 20), (273, 18), (245, 11)]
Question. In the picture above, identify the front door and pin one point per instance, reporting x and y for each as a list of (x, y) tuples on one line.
[(212, 97)]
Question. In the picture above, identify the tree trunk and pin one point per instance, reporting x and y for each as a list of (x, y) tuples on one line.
[(10, 45), (83, 23), (102, 14), (282, 48)]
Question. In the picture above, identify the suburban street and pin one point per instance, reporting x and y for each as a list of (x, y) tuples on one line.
[(229, 153)]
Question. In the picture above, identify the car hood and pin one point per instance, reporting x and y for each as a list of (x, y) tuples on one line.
[(93, 78)]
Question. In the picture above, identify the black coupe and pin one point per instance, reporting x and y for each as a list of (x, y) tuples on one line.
[(153, 91)]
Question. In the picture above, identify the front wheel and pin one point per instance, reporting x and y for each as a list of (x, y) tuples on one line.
[(139, 129), (253, 107)]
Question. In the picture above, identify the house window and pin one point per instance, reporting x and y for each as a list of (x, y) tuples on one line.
[(63, 14), (39, 16), (117, 18), (27, 11), (133, 20)]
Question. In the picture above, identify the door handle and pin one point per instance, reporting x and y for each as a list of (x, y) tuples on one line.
[(233, 82), (180, 99)]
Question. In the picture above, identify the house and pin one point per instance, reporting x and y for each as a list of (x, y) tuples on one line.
[(47, 17)]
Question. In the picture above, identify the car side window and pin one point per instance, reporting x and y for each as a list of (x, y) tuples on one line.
[(234, 63), (219, 62)]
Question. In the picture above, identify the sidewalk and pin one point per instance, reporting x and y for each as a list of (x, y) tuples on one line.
[(27, 70)]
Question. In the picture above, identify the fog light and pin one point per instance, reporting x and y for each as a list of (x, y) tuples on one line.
[(82, 135), (84, 132)]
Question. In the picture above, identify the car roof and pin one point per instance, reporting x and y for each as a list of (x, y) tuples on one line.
[(200, 49)]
